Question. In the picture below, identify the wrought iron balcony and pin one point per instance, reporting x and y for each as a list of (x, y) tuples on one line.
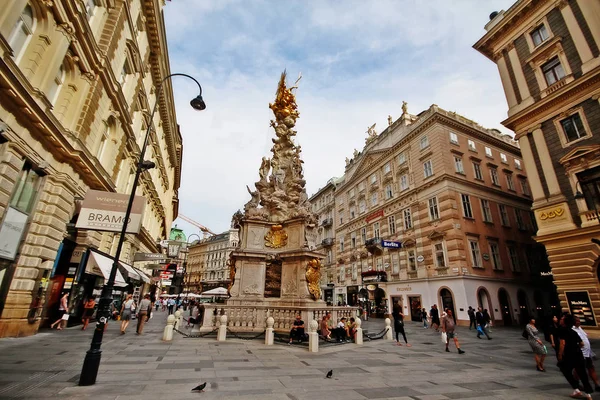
[(327, 242), (327, 222), (373, 242)]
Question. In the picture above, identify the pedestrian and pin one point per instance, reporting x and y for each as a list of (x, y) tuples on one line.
[(63, 309), (144, 309), (554, 331), (435, 317), (481, 324), (472, 322), (171, 305), (571, 358), (399, 324), (448, 326), (164, 304), (424, 316), (127, 310), (588, 354), (538, 348), (88, 311), (488, 320), (157, 304)]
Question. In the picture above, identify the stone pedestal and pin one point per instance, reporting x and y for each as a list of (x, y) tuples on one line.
[(168, 332), (222, 335), (313, 337), (270, 332), (358, 337), (388, 327)]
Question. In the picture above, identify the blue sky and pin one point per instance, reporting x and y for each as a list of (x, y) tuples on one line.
[(359, 60)]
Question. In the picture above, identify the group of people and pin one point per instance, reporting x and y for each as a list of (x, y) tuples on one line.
[(480, 320), (572, 349), (345, 330)]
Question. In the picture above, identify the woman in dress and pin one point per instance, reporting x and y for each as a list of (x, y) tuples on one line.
[(88, 311), (539, 350), (62, 310), (127, 309)]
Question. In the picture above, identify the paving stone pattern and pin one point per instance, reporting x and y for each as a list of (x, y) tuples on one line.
[(47, 366)]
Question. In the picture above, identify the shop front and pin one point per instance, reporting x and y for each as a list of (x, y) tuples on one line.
[(352, 295), (328, 293), (340, 296)]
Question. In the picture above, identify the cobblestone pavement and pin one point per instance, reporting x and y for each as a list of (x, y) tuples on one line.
[(143, 367)]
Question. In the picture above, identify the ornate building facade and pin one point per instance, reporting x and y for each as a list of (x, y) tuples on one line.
[(207, 265), (78, 81), (451, 199), (548, 56)]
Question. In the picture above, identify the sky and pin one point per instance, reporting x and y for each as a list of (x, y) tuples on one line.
[(359, 60)]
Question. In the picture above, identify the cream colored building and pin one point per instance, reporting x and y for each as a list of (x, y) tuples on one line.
[(207, 267), (451, 199), (78, 81), (548, 56)]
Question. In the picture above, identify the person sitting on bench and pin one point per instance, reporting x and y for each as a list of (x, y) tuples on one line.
[(341, 331), (297, 330)]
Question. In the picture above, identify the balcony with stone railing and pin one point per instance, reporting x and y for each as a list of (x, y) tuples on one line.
[(327, 242), (590, 218)]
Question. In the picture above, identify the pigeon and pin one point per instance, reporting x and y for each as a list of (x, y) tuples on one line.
[(199, 388), (329, 374)]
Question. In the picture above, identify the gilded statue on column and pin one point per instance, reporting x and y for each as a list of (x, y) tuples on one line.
[(313, 278)]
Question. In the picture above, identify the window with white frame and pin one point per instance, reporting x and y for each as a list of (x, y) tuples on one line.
[(379, 264), (553, 71), (363, 235), (353, 239), (387, 168), (427, 168), (388, 192), (376, 230), (453, 138), (503, 215), (503, 158), (471, 144), (352, 212), (424, 142), (104, 140), (509, 182), (341, 218), (407, 218), (434, 212), (513, 256), (519, 219), (342, 277), (411, 259), (573, 128), (475, 253), (466, 204), (486, 211), (518, 164), (374, 199), (373, 178), (22, 30), (495, 255), (395, 264), (525, 187), (354, 272), (404, 182), (477, 171), (329, 256), (539, 35), (401, 158), (488, 152), (392, 224), (458, 165), (494, 176), (439, 255), (341, 244), (56, 85), (362, 206)]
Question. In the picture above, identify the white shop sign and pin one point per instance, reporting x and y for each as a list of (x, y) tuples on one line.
[(11, 232)]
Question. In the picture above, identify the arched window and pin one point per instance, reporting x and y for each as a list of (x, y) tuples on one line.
[(56, 85), (21, 31)]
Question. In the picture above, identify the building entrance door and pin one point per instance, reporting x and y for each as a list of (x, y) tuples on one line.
[(415, 308), (505, 307), (448, 301)]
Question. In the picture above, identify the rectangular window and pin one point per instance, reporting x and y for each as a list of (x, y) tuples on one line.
[(379, 264), (412, 261), (494, 176), (354, 272), (373, 179), (342, 244), (514, 258), (518, 164), (352, 212), (404, 182), (361, 186), (488, 151), (440, 255), (458, 165), (509, 182), (376, 230), (475, 253), (353, 239), (26, 189), (471, 145), (424, 142), (495, 256), (395, 264), (391, 224), (503, 215), (539, 35), (388, 192), (553, 71), (434, 212), (485, 210), (503, 158), (341, 218), (427, 168), (477, 171), (363, 235), (519, 218), (351, 193), (453, 138), (466, 204), (342, 277), (407, 218), (374, 199), (362, 206), (573, 127), (401, 158), (387, 168)]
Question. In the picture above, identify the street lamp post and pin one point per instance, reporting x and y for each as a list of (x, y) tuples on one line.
[(91, 363)]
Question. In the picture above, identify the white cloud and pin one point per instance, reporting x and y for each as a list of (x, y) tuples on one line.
[(359, 61)]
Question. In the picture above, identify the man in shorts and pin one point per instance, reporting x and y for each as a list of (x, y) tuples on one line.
[(587, 352), (448, 326)]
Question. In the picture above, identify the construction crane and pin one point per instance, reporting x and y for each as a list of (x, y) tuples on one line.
[(205, 231)]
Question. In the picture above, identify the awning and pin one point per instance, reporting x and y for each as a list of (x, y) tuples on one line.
[(100, 265), (130, 272), (142, 274)]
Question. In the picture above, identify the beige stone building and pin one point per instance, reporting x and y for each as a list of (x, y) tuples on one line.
[(435, 210), (548, 56), (78, 81)]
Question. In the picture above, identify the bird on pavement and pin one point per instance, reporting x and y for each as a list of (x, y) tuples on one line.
[(199, 388), (329, 374)]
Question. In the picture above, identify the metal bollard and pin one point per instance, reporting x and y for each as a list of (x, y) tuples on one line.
[(388, 333), (269, 334), (313, 337), (222, 329), (358, 336), (168, 332)]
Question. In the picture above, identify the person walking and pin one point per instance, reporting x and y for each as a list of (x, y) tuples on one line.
[(481, 324), (63, 309), (472, 322), (448, 326), (554, 333), (424, 316), (537, 346), (171, 305), (88, 311), (571, 358), (588, 354), (435, 317), (127, 310), (399, 324), (488, 320), (143, 313)]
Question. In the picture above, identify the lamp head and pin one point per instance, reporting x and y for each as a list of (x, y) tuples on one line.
[(147, 164), (579, 195), (198, 103)]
